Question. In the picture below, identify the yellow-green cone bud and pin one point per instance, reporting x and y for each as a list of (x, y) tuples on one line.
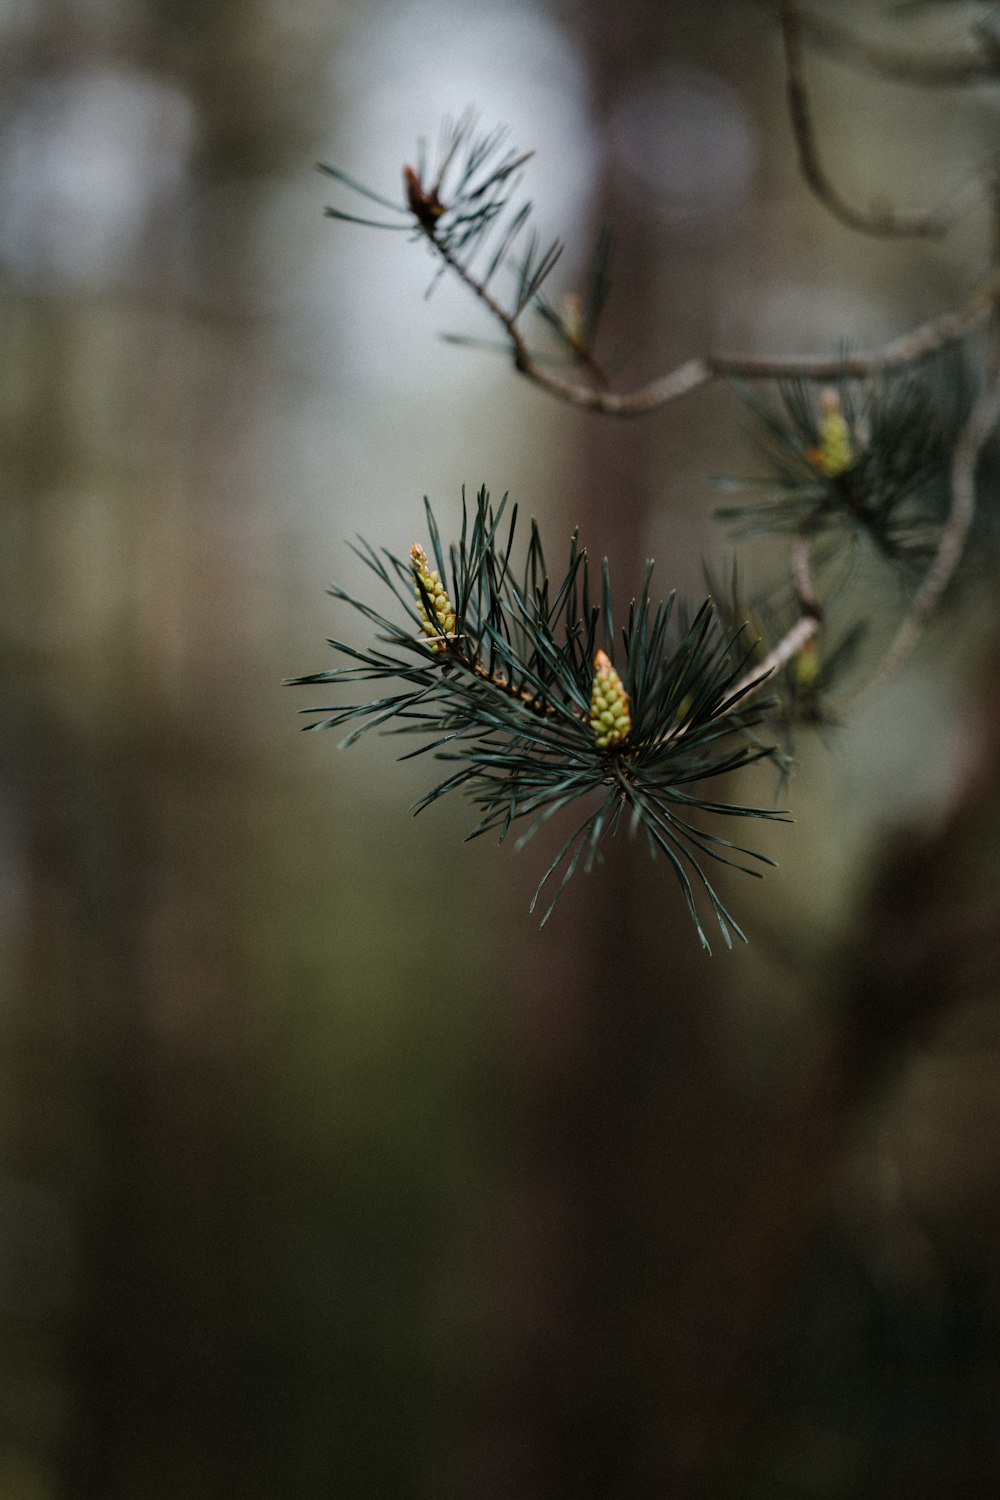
[(610, 718), (806, 667), (833, 454), (440, 626)]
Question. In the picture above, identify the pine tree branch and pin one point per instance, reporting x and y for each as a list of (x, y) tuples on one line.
[(900, 352), (453, 228), (884, 223), (907, 349), (454, 223)]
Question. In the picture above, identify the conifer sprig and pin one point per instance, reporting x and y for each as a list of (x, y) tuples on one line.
[(868, 460), (512, 681), (463, 206), (464, 203), (508, 675)]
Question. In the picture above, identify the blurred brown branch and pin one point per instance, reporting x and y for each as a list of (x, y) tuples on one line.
[(907, 349), (883, 222)]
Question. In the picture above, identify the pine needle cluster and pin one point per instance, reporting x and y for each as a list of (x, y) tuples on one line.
[(464, 206), (510, 678), (865, 461)]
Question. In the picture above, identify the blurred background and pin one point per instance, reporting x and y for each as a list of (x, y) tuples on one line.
[(320, 1178)]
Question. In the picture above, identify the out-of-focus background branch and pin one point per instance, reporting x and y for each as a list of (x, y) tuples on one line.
[(314, 1180)]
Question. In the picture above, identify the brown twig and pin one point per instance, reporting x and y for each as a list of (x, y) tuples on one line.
[(790, 645), (885, 223), (804, 628), (805, 587), (907, 349)]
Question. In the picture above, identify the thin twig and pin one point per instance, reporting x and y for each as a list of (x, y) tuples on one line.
[(932, 223), (791, 643), (506, 321), (970, 444), (909, 348), (804, 628), (805, 587)]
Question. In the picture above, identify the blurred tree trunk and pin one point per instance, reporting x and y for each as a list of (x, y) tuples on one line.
[(622, 1123), (152, 1374)]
